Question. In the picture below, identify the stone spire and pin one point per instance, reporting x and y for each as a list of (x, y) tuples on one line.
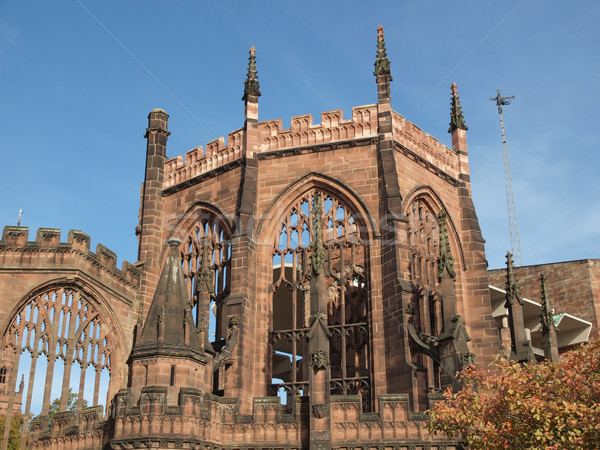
[(382, 63), (549, 341), (457, 119), (251, 85), (169, 328)]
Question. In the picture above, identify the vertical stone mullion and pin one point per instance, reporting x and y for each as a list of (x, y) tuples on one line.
[(97, 386), (71, 348)]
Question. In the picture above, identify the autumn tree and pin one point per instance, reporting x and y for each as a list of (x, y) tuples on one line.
[(550, 405)]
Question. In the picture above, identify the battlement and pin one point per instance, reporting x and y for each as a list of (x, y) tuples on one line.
[(15, 241), (197, 162), (303, 132), (424, 145), (332, 128)]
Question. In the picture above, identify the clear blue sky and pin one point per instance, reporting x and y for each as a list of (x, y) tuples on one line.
[(78, 78)]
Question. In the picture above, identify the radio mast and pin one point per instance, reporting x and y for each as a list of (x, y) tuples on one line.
[(515, 241)]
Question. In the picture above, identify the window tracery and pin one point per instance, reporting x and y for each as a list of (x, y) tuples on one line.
[(206, 253), (59, 324), (425, 315), (345, 265)]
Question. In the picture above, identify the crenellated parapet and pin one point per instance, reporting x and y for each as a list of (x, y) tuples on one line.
[(64, 429), (198, 162), (425, 146), (199, 419), (48, 252), (393, 424), (332, 128), (304, 133)]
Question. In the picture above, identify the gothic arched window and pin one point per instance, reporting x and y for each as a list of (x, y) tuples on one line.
[(206, 254), (425, 309), (345, 268), (59, 345)]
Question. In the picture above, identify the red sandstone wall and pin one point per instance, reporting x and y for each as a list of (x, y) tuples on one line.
[(573, 287), (26, 265)]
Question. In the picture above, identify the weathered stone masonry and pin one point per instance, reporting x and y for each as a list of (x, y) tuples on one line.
[(315, 287)]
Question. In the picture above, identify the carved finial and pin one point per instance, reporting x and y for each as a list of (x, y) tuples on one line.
[(457, 119), (547, 310), (382, 63), (317, 250), (446, 260), (512, 290), (251, 85)]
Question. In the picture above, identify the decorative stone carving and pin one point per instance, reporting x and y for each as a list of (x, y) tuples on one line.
[(445, 260), (318, 251), (204, 275), (319, 359), (320, 411)]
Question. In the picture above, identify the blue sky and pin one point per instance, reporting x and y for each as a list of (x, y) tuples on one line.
[(78, 78)]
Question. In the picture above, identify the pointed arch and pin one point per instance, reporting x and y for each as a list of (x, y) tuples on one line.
[(316, 180), (430, 197), (206, 232), (63, 320), (318, 209), (433, 299)]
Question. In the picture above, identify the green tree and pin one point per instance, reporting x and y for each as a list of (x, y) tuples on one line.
[(529, 406), (14, 438), (71, 404)]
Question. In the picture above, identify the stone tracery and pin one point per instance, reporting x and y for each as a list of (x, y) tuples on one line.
[(206, 253), (341, 253), (60, 323)]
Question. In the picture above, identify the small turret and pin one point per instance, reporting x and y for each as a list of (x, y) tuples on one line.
[(169, 337), (169, 316)]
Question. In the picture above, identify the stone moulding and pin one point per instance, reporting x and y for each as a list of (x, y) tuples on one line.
[(426, 164)]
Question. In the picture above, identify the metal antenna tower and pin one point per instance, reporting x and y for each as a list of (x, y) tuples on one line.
[(515, 241)]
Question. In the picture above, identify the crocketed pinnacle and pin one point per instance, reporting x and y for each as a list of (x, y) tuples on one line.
[(251, 86), (446, 260), (512, 290), (382, 64), (457, 119), (546, 314)]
